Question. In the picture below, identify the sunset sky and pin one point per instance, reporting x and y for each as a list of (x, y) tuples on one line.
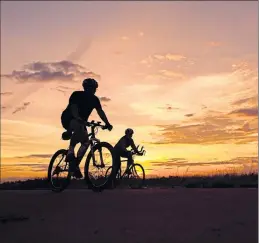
[(183, 75)]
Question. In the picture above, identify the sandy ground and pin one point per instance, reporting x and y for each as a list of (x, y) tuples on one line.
[(131, 216)]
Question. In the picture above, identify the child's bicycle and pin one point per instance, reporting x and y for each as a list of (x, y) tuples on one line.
[(134, 176), (95, 164)]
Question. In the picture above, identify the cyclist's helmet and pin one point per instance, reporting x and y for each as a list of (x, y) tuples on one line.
[(90, 83), (129, 131)]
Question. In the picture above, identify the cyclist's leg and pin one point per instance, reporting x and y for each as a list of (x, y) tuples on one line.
[(66, 125), (117, 161), (128, 155), (117, 165), (79, 135), (78, 130), (84, 146)]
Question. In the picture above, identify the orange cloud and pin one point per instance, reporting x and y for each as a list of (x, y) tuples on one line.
[(250, 101), (212, 129), (173, 57), (162, 57), (166, 75), (171, 74)]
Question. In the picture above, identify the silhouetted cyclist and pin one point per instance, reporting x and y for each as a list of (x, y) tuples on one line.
[(120, 149), (73, 118)]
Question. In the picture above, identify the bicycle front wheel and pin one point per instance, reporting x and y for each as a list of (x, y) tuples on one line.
[(99, 165), (58, 171), (136, 179)]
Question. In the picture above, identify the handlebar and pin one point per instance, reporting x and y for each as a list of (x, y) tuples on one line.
[(95, 124), (142, 150)]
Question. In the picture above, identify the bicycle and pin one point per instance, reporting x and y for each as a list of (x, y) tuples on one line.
[(133, 172), (95, 145)]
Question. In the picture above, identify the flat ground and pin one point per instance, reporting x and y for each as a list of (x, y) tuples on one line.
[(130, 216)]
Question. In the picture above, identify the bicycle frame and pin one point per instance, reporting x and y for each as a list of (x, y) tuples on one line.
[(126, 160), (93, 140)]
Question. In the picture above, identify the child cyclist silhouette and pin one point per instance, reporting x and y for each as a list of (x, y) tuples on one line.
[(120, 149)]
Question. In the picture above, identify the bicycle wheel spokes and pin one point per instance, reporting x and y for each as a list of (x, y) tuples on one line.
[(137, 177), (59, 171), (98, 170), (108, 172)]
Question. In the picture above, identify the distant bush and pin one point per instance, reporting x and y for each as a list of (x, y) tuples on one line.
[(216, 181)]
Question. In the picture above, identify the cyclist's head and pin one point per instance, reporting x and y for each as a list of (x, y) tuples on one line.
[(129, 132), (90, 84)]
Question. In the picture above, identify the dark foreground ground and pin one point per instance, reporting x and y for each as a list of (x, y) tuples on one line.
[(130, 216)]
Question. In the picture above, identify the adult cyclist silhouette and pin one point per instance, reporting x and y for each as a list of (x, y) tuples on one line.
[(73, 118)]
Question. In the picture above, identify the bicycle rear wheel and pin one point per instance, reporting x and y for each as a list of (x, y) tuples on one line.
[(136, 179), (98, 174), (58, 183)]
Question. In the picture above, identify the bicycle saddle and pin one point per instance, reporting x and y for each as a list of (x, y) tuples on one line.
[(66, 135)]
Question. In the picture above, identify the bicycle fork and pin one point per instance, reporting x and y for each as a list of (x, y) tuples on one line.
[(95, 141)]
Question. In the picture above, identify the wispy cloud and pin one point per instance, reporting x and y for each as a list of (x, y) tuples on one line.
[(162, 57), (168, 56), (171, 74), (175, 162), (51, 71), (245, 112), (64, 87), (246, 101), (105, 99), (174, 57), (44, 156), (23, 167), (6, 93), (218, 128), (169, 107), (21, 108), (189, 115), (166, 75)]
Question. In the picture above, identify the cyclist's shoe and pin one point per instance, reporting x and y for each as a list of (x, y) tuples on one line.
[(77, 174), (72, 160)]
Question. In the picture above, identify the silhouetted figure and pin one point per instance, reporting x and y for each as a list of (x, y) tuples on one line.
[(120, 149), (73, 118)]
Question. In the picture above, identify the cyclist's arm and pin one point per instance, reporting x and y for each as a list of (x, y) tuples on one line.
[(134, 147)]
